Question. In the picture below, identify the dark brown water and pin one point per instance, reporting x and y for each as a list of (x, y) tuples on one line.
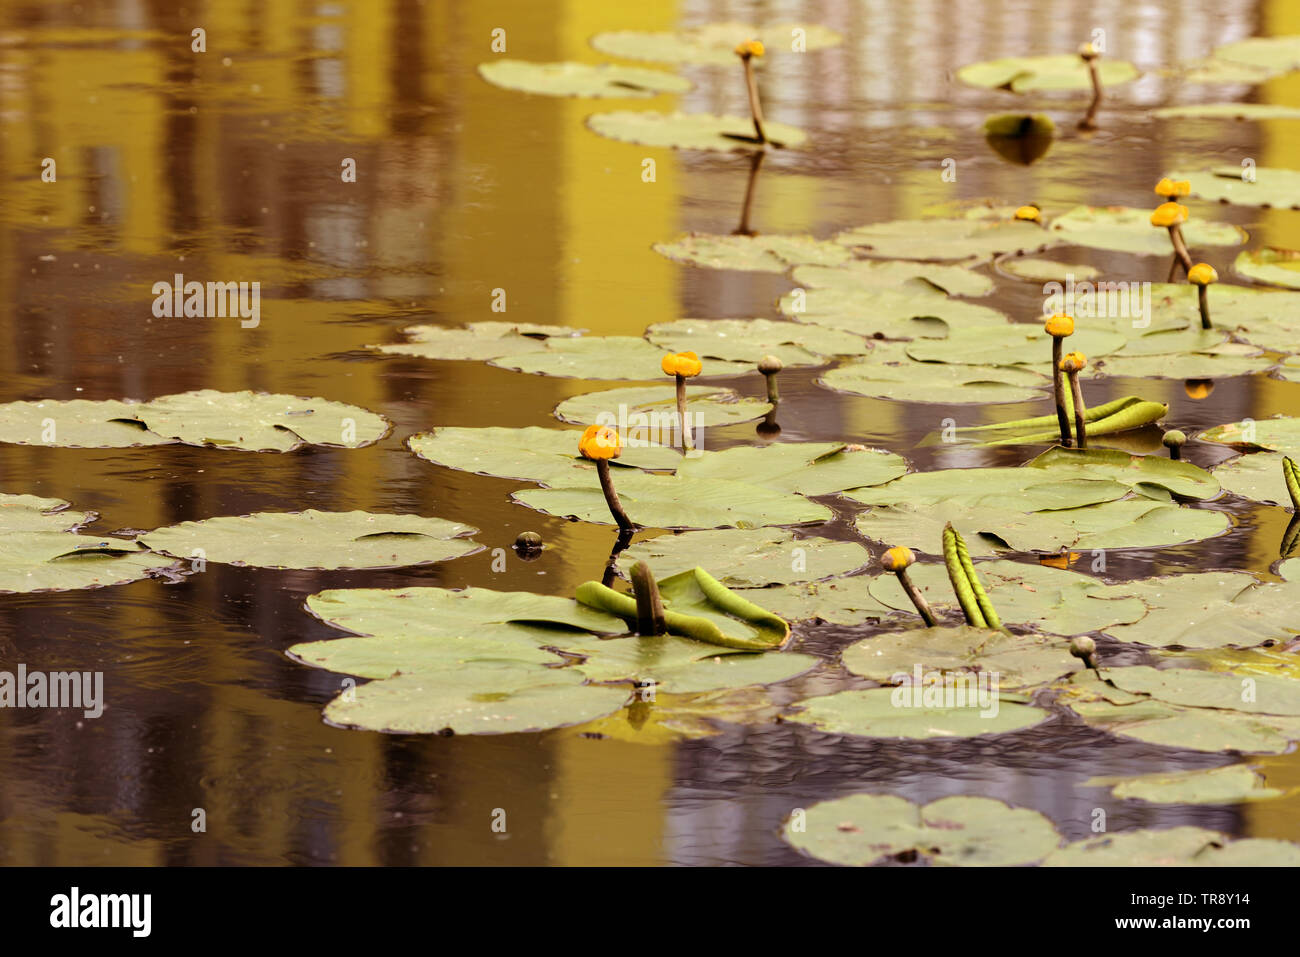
[(225, 165)]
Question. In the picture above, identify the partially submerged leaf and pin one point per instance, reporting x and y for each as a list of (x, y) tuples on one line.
[(1030, 74), (890, 373), (904, 712), (1127, 229), (945, 239), (477, 340), (1253, 186), (581, 79), (1278, 434), (961, 654), (809, 468), (912, 309), (956, 279), (1032, 269), (1228, 111), (31, 513), (691, 131), (1174, 847), (603, 357), (1281, 267), (75, 424), (747, 557), (1227, 785), (34, 561), (1254, 694), (760, 253), (749, 340), (1012, 344), (649, 413)]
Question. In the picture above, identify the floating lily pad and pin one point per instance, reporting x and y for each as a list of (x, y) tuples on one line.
[(1267, 318), (1032, 74), (865, 829), (706, 406), (604, 357), (1152, 475), (1276, 55), (1258, 186), (76, 424), (1280, 434), (1209, 610), (889, 373), (478, 340), (840, 601), (533, 454), (809, 468), (1258, 476), (1254, 694), (882, 713), (475, 698), (1229, 111), (944, 239), (1054, 600), (749, 340), (260, 422), (34, 561), (713, 43), (753, 253), (581, 79), (312, 539), (1177, 846), (1018, 488), (31, 513), (961, 653), (1181, 367), (1007, 345), (750, 557), (682, 666), (670, 501), (955, 280), (1227, 785), (1126, 229), (912, 309), (691, 131), (1281, 267), (1031, 269)]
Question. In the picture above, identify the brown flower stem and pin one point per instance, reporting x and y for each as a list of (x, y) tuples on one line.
[(687, 443), (1080, 432), (649, 604), (1173, 267), (922, 606), (611, 496), (1203, 292), (1058, 387), (623, 540), (1089, 122), (755, 162), (1180, 247), (751, 86)]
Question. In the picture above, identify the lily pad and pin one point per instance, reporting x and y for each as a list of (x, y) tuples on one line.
[(712, 43), (889, 373), (532, 454), (478, 340), (865, 829), (1182, 367), (1281, 267), (749, 340), (1260, 186), (31, 513), (35, 561), (1277, 55), (954, 279), (1176, 846), (603, 357), (76, 424), (671, 718), (1227, 785), (691, 131), (961, 653), (260, 422), (946, 239), (475, 698), (1254, 694), (1033, 74), (1229, 111), (1127, 229), (1209, 610), (1152, 475), (883, 713), (581, 79), (913, 309), (752, 253), (643, 413), (312, 539), (1258, 476), (839, 601), (1014, 344), (683, 666), (748, 557), (809, 468), (1280, 434), (1031, 269)]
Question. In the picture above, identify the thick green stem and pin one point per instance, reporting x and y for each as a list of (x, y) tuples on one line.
[(611, 496), (649, 604), (1058, 389)]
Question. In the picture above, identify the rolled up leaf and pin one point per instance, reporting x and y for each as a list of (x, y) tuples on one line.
[(974, 601), (1118, 415), (1292, 475)]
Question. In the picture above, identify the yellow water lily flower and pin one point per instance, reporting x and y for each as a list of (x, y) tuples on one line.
[(684, 364), (600, 442)]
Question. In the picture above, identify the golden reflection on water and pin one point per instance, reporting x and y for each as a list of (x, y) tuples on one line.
[(226, 165)]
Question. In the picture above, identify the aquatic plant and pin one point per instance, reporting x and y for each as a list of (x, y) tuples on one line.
[(975, 604), (1072, 364), (747, 51), (682, 366), (600, 443), (1173, 440), (1089, 54), (770, 366), (1171, 216), (1201, 275), (1059, 327), (897, 560)]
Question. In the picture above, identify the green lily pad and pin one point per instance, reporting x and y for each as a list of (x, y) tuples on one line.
[(1254, 694), (34, 561), (1054, 600), (749, 340), (889, 373), (1258, 476), (809, 468), (865, 829), (31, 513), (1227, 785), (1281, 267), (1019, 661), (532, 454), (1014, 344), (581, 79), (691, 131), (1182, 367), (706, 406), (1176, 846), (1267, 318), (1179, 606), (475, 698), (76, 424), (1266, 186), (260, 422), (683, 666), (671, 501), (713, 43), (1034, 74), (1018, 488), (749, 557), (873, 713), (945, 239), (1032, 269), (913, 309), (478, 340), (1277, 55), (840, 601), (1127, 229), (312, 539), (1152, 475), (752, 253), (1215, 71), (1229, 111), (604, 357), (1280, 434), (955, 279)]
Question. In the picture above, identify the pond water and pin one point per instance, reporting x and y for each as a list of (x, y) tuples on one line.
[(226, 165)]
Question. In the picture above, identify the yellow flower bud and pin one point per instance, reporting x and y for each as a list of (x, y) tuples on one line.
[(1202, 274), (750, 48), (1169, 214), (1172, 189), (1073, 362), (1060, 326), (600, 442), (684, 364), (1029, 213), (897, 558)]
